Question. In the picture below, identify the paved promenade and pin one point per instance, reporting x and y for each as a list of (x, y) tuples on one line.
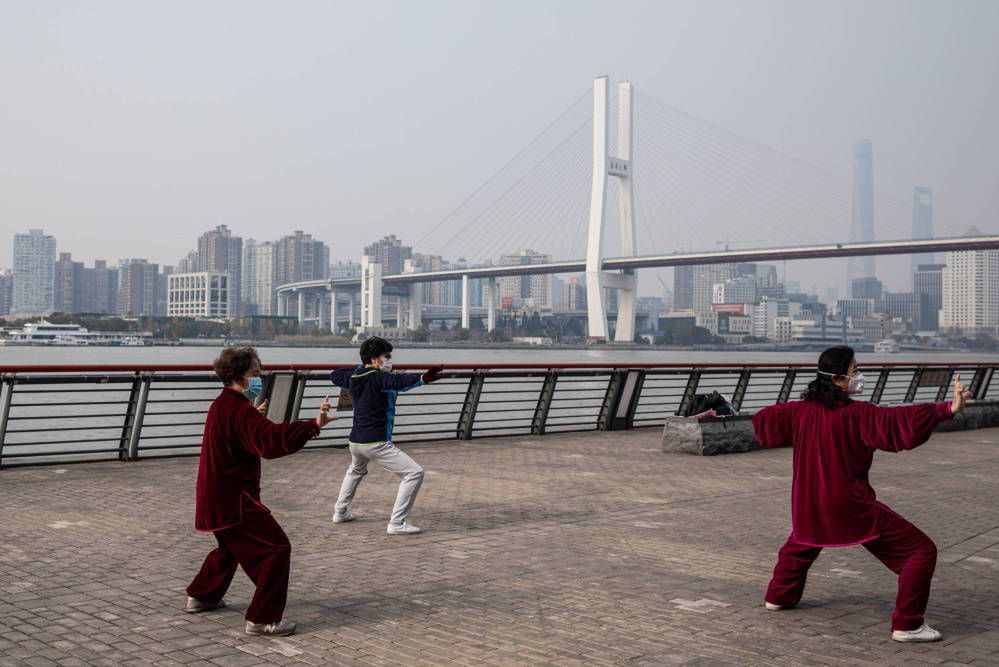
[(567, 549)]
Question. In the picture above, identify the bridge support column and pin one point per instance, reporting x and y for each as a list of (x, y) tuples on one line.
[(321, 311), (334, 312), (371, 293), (490, 295), (301, 308), (351, 314), (415, 306), (621, 167), (282, 304), (466, 298)]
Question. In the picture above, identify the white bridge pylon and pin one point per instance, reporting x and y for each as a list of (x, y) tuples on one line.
[(621, 166)]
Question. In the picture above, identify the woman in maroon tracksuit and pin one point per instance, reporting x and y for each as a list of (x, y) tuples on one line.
[(832, 501), (237, 436)]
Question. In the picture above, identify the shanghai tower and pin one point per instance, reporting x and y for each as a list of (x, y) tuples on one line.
[(862, 225)]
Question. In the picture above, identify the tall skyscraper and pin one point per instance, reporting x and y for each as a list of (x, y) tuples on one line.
[(862, 220), (683, 287), (138, 287), (927, 283), (259, 271), (68, 285), (922, 222), (971, 291), (34, 273), (390, 253), (220, 251)]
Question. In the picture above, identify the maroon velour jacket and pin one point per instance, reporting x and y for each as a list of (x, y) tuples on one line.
[(236, 438), (832, 501)]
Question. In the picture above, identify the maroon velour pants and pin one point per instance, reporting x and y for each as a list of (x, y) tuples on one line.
[(903, 548), (261, 548)]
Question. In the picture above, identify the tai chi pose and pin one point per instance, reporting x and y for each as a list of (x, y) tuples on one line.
[(373, 389), (237, 435), (832, 501)]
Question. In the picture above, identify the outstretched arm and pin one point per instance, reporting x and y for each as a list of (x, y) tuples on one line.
[(906, 427), (773, 425)]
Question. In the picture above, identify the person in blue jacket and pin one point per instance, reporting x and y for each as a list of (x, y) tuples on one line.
[(373, 389)]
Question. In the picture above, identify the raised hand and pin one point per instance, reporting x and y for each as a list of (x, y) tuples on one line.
[(433, 374), (961, 396), (324, 417), (262, 408)]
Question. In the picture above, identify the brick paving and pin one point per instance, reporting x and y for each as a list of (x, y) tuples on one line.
[(567, 549)]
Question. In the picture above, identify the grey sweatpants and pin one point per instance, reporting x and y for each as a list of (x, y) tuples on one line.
[(391, 458)]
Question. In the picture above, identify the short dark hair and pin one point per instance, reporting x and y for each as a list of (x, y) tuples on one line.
[(234, 362), (832, 363), (373, 348)]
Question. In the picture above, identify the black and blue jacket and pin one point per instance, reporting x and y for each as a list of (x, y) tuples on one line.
[(373, 393)]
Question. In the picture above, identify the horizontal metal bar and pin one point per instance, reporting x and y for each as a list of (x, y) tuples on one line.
[(144, 448), (23, 455), (106, 415), (65, 428), (42, 443), (49, 404), (165, 436), (146, 425)]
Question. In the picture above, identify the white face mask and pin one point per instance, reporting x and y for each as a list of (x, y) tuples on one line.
[(856, 385), (387, 365)]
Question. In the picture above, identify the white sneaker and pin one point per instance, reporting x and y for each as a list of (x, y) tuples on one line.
[(342, 518), (279, 629), (404, 528), (923, 633), (196, 606), (773, 607)]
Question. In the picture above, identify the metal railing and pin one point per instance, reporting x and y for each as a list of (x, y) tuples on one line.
[(60, 414)]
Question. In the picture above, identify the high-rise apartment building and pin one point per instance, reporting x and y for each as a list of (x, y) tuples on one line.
[(34, 273), (221, 251), (517, 291), (258, 279), (68, 285), (971, 291), (390, 253), (138, 287)]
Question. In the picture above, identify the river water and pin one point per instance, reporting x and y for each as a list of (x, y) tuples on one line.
[(434, 355)]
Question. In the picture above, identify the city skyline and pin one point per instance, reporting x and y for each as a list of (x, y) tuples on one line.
[(232, 152)]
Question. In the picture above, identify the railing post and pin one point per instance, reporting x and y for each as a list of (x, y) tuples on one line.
[(544, 404), (8, 387), (296, 406), (605, 420), (130, 410), (787, 386), (979, 386), (140, 415), (879, 386), (740, 388), (471, 405), (689, 392), (910, 394)]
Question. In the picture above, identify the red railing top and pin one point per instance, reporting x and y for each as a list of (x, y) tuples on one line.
[(174, 368)]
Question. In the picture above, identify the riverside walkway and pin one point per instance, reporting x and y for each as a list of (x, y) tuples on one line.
[(589, 548)]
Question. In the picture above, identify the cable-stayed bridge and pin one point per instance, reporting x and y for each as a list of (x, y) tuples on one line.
[(647, 188)]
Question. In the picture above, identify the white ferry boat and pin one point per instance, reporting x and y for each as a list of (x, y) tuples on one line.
[(44, 332), (886, 347)]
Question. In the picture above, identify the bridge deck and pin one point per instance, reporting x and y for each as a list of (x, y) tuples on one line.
[(591, 548)]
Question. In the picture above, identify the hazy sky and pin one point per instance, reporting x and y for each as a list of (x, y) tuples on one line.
[(129, 127)]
